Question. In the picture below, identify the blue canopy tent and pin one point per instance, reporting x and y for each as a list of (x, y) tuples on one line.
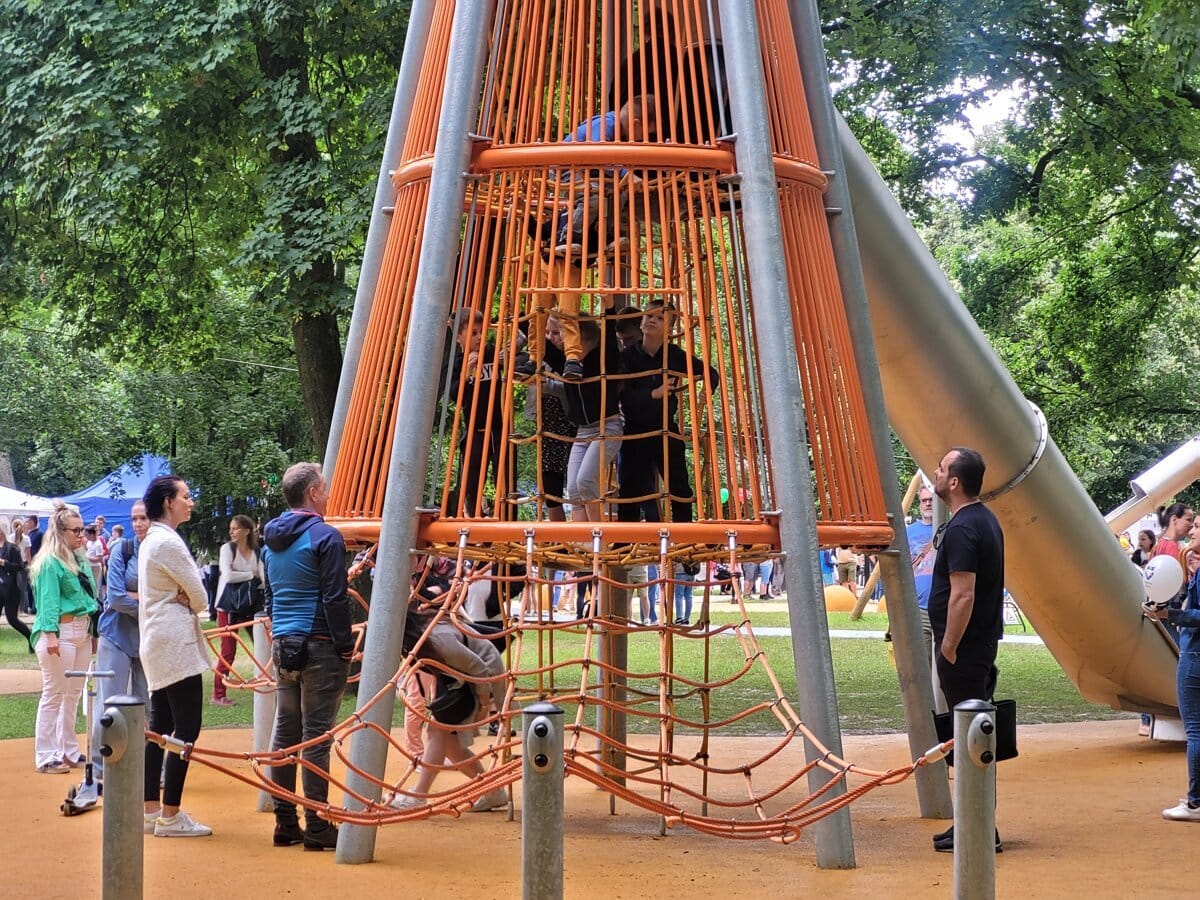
[(113, 495)]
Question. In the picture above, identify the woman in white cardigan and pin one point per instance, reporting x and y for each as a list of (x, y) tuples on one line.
[(172, 650), (240, 563)]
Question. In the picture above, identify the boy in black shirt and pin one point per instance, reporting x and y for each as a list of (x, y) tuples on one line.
[(650, 405)]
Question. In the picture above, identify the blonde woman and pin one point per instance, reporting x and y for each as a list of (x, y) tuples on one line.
[(65, 595), (172, 650)]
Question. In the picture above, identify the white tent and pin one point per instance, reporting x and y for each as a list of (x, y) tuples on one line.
[(18, 503)]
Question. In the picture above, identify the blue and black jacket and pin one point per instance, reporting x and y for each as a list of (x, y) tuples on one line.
[(305, 562)]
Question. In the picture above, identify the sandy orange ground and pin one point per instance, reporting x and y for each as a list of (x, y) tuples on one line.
[(1079, 812)]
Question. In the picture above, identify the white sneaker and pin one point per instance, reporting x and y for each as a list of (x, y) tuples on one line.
[(1182, 813), (406, 801), (148, 820), (497, 799), (180, 825)]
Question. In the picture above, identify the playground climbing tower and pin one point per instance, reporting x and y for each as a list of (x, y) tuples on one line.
[(610, 156)]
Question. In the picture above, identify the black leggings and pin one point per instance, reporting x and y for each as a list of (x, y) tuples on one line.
[(174, 710), (12, 601)]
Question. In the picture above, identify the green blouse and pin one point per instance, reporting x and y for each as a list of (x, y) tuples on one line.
[(57, 592)]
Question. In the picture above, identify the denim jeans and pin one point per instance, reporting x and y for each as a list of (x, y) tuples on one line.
[(683, 596), (652, 593), (128, 678), (306, 703), (1187, 681)]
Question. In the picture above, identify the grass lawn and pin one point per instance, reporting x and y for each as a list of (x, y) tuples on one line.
[(868, 694)]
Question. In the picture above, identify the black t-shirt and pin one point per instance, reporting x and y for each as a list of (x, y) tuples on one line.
[(970, 542)]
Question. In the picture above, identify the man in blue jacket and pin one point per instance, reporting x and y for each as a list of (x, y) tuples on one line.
[(117, 647), (305, 561)]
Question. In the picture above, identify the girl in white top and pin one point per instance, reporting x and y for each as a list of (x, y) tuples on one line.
[(172, 648), (239, 563)]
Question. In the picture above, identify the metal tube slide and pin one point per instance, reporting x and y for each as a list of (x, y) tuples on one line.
[(944, 386), (1159, 483)]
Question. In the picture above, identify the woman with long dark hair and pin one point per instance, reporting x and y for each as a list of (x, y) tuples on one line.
[(240, 566), (62, 637), (172, 651)]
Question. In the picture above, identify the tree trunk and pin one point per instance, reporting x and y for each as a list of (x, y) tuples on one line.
[(311, 286), (319, 359)]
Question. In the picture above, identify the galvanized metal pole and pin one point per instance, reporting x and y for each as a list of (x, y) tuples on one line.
[(613, 603), (783, 404), (434, 292), (974, 800), (122, 744), (420, 18), (912, 665), (264, 708), (542, 803)]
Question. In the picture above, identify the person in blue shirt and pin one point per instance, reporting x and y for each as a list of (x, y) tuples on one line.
[(305, 562), (920, 548), (117, 647)]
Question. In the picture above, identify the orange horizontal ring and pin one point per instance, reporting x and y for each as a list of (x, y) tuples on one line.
[(603, 153), (446, 531), (788, 169), (418, 169)]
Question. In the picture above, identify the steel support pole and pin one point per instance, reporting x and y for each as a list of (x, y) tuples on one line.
[(434, 291), (783, 405), (912, 666), (974, 800), (542, 803), (420, 18), (264, 708), (613, 604), (122, 744)]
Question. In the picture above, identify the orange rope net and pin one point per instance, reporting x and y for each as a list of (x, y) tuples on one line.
[(549, 658)]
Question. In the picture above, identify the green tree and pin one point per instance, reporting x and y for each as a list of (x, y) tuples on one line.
[(160, 153)]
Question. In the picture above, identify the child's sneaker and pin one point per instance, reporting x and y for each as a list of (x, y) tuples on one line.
[(573, 370), (180, 825), (524, 369), (497, 799)]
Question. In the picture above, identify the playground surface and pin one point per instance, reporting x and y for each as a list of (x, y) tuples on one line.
[(1079, 812)]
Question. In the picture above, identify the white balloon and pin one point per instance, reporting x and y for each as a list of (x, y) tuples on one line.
[(1162, 578)]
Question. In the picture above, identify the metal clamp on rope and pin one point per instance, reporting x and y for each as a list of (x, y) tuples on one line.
[(1042, 442), (938, 753)]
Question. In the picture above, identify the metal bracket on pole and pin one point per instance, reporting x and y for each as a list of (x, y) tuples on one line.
[(542, 803), (975, 800), (122, 726)]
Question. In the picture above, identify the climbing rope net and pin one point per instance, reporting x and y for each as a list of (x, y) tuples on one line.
[(675, 705)]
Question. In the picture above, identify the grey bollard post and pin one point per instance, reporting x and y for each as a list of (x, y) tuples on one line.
[(974, 800), (264, 709), (123, 746), (542, 803)]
